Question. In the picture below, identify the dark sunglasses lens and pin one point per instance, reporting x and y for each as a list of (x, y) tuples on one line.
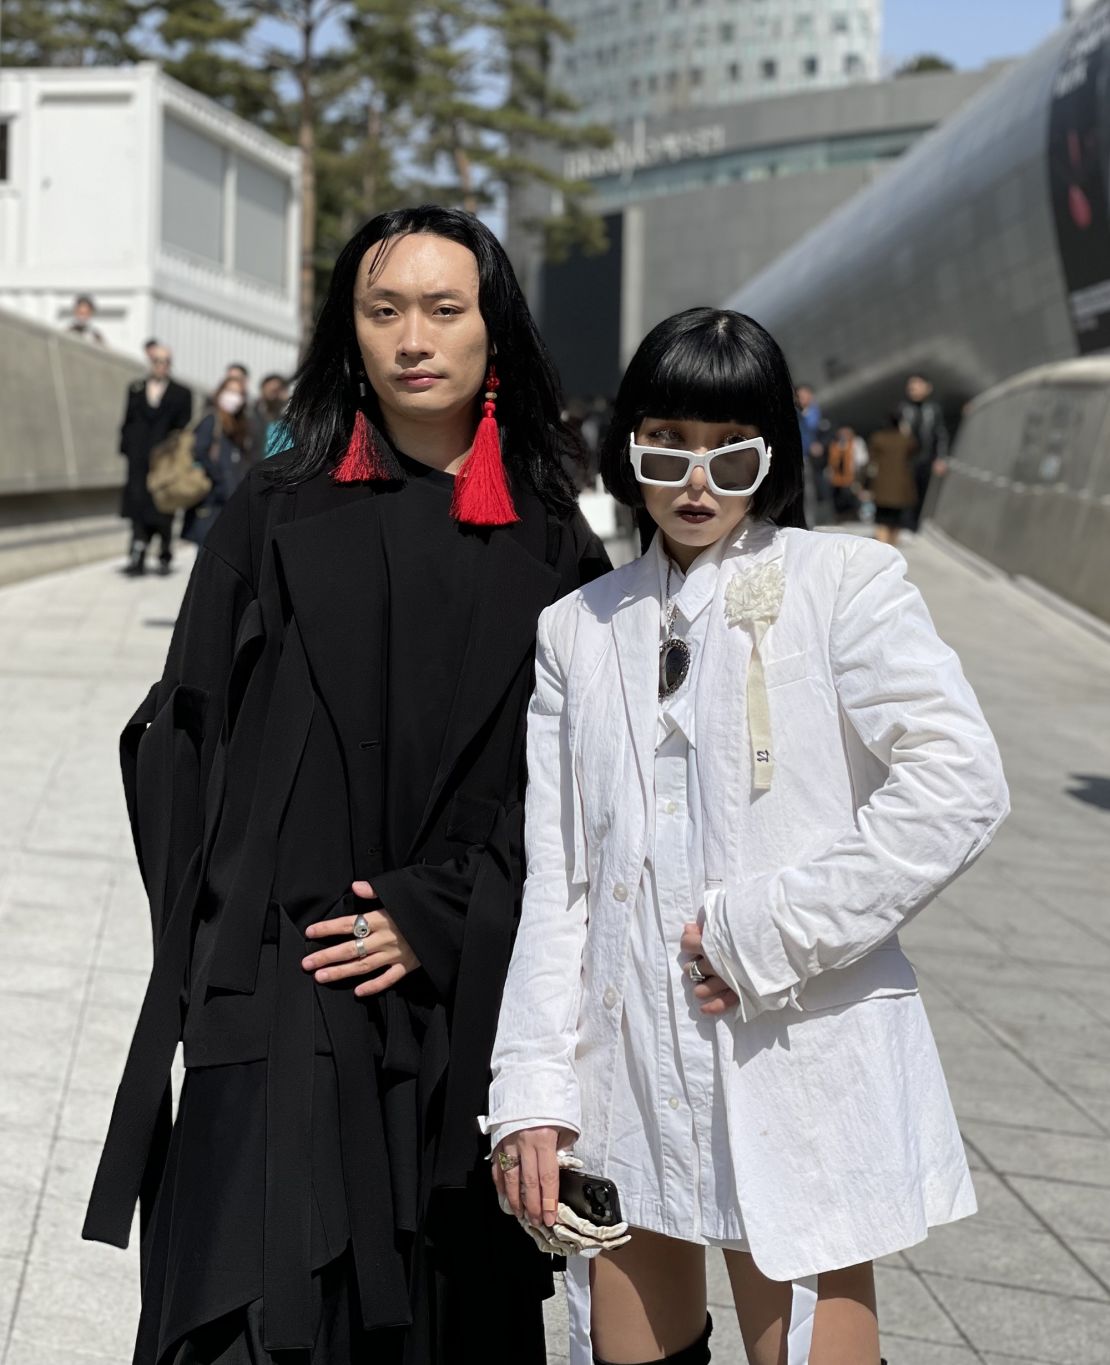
[(735, 471), (663, 466)]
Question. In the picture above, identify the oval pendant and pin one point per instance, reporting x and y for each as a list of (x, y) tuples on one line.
[(674, 664)]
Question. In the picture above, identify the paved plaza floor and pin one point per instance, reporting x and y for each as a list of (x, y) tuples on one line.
[(1014, 962)]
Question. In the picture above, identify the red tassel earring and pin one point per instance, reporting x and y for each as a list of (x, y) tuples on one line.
[(482, 496), (362, 461)]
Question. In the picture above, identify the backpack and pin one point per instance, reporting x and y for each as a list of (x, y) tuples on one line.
[(175, 480)]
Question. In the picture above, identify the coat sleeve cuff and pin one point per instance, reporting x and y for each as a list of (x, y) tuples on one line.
[(741, 942), (432, 922), (498, 1132)]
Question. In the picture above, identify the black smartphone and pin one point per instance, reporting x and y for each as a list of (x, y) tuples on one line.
[(591, 1197)]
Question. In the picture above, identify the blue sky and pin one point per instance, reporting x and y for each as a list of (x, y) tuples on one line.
[(967, 32)]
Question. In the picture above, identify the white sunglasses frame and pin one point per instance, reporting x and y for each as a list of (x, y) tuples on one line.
[(637, 452)]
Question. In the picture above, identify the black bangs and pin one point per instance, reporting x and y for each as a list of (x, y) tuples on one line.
[(711, 365), (704, 375)]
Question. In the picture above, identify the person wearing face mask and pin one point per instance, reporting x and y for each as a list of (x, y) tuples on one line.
[(220, 448)]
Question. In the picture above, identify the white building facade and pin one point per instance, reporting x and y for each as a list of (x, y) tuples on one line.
[(178, 219), (642, 58)]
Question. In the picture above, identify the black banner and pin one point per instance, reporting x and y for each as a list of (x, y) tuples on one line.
[(1079, 169)]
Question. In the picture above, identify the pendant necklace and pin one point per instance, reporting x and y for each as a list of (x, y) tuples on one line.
[(674, 654)]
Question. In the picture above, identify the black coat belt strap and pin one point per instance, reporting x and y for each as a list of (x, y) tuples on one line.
[(287, 1234), (142, 1089), (235, 959)]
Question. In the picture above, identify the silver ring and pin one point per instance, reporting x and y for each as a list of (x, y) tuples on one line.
[(360, 949), (695, 973), (361, 927)]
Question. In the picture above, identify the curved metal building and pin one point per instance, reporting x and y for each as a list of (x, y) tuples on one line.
[(985, 250)]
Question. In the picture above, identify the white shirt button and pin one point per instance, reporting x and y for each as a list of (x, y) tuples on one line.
[(670, 808), (610, 998), (673, 1101), (620, 892)]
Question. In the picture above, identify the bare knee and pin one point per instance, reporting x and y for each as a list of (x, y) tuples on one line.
[(648, 1299)]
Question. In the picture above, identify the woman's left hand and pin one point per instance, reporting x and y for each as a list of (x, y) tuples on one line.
[(385, 947), (715, 995)]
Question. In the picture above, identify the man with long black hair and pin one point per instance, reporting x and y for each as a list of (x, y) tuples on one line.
[(325, 790)]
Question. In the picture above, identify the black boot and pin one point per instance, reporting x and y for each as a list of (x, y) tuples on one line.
[(697, 1353), (136, 560)]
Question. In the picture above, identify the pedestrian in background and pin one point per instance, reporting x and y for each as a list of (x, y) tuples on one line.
[(925, 418), (81, 328), (221, 440), (846, 465), (751, 761), (812, 426), (890, 476), (266, 415), (155, 407), (237, 370)]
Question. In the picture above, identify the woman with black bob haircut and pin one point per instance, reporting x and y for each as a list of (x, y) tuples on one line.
[(326, 793), (751, 761), (711, 365)]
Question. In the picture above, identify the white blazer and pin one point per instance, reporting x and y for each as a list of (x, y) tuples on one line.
[(887, 783)]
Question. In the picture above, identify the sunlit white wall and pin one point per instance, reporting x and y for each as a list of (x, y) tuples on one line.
[(176, 217)]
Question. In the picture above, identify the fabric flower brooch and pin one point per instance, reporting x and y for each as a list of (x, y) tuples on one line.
[(754, 599)]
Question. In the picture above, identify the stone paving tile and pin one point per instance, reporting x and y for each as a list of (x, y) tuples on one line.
[(1024, 1323), (910, 1351), (77, 1299), (1050, 1155), (984, 1251), (17, 1217), (906, 1308), (1072, 1210), (32, 1103), (24, 1156)]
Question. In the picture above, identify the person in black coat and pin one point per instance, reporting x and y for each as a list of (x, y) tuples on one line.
[(155, 407), (326, 793), (924, 417)]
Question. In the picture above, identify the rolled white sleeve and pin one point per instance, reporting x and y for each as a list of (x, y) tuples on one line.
[(903, 692), (533, 1057)]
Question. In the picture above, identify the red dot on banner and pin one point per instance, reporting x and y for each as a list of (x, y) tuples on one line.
[(1079, 207)]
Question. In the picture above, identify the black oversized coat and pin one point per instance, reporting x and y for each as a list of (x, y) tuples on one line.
[(255, 776), (142, 429)]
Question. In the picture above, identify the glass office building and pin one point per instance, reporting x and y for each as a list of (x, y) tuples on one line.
[(645, 58)]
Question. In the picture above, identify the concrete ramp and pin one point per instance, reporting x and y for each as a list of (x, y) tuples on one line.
[(1029, 483)]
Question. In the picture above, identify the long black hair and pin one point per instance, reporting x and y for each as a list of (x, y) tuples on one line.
[(711, 365), (537, 445)]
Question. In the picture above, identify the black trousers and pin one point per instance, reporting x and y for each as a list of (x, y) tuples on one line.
[(472, 1333), (142, 534)]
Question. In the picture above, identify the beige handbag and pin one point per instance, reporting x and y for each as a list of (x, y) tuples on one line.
[(175, 481)]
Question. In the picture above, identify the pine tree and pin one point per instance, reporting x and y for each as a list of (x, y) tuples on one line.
[(71, 32), (319, 78), (204, 43), (495, 148)]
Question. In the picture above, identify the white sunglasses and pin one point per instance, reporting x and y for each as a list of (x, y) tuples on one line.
[(731, 471)]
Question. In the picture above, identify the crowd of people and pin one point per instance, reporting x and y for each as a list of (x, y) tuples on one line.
[(467, 855), (234, 431), (884, 478)]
